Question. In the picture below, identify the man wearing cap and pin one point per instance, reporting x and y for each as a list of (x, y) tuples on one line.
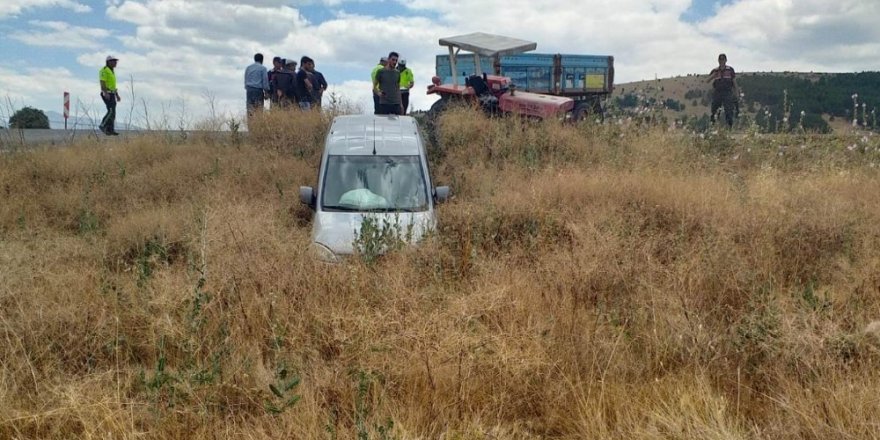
[(109, 94), (406, 82), (723, 79), (256, 84), (376, 70)]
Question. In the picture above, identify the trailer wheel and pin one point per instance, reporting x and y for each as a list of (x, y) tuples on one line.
[(584, 110)]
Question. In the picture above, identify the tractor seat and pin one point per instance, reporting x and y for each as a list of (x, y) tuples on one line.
[(479, 85)]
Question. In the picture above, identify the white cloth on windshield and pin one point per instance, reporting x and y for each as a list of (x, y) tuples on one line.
[(363, 199)]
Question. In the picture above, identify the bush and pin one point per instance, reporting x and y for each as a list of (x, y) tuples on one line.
[(29, 117)]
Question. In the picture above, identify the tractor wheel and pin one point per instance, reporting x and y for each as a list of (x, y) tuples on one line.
[(433, 120), (436, 108)]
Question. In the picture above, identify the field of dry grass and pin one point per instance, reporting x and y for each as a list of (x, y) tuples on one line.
[(597, 281)]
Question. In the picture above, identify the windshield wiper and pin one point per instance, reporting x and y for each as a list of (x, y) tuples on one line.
[(393, 209), (346, 208)]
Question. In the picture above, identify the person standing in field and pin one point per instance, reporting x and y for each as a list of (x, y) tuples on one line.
[(387, 86), (277, 67), (284, 84), (109, 94), (407, 80), (320, 86), (723, 79), (305, 83), (380, 66), (256, 85)]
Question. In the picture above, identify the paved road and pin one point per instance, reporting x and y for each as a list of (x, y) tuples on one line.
[(12, 138)]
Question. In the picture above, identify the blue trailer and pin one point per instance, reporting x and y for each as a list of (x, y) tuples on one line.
[(588, 79)]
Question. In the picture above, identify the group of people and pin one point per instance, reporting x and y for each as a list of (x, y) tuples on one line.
[(392, 81), (284, 86)]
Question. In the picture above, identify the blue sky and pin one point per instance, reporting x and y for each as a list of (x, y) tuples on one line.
[(185, 57)]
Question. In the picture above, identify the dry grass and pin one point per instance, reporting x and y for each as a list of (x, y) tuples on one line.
[(587, 282)]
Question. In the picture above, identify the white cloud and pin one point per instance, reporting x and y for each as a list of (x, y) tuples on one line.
[(60, 34), (19, 89), (10, 8), (841, 35)]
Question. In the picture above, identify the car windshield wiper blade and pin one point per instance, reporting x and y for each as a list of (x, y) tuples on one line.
[(393, 209), (347, 208)]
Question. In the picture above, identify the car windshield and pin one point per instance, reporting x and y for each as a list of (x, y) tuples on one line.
[(374, 184)]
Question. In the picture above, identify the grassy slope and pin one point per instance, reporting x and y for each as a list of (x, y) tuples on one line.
[(676, 87), (589, 282)]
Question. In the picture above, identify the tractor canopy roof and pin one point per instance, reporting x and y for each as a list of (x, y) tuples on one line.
[(489, 45)]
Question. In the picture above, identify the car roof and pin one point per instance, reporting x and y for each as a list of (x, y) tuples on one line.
[(359, 134)]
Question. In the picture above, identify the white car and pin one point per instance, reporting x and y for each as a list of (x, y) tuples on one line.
[(373, 168)]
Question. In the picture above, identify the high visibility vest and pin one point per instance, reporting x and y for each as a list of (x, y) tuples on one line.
[(108, 77), (406, 77)]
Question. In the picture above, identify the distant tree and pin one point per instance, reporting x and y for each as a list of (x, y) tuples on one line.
[(672, 104), (628, 100), (29, 117)]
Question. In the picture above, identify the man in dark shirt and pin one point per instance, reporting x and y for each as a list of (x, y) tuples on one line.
[(387, 86), (724, 94), (284, 84), (277, 66), (320, 86), (305, 83)]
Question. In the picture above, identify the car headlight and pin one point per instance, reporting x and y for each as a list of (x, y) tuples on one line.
[(322, 253)]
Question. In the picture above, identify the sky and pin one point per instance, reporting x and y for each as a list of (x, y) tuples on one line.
[(183, 61)]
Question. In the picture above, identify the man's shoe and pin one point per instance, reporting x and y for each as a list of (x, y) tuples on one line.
[(112, 133)]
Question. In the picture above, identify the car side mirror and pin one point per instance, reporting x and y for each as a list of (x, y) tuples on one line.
[(307, 196), (441, 194)]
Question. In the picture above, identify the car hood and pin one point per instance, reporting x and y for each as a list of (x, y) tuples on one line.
[(338, 230)]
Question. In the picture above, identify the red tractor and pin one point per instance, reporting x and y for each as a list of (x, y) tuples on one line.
[(570, 86)]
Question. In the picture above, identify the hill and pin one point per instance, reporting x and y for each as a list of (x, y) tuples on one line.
[(828, 100)]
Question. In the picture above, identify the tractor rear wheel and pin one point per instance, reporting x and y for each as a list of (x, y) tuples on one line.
[(436, 108), (433, 120)]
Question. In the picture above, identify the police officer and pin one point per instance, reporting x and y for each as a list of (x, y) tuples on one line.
[(406, 83), (109, 94), (376, 69), (723, 79)]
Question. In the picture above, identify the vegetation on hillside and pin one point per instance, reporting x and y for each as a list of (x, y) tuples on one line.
[(592, 281), (779, 102)]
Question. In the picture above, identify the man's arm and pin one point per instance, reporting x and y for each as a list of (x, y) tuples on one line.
[(712, 75), (376, 89)]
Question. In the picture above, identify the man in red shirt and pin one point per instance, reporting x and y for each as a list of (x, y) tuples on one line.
[(723, 79)]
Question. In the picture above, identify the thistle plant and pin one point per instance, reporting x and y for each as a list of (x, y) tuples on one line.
[(855, 121), (801, 122), (865, 115), (786, 111)]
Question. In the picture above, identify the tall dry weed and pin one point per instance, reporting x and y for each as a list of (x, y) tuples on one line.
[(589, 281)]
